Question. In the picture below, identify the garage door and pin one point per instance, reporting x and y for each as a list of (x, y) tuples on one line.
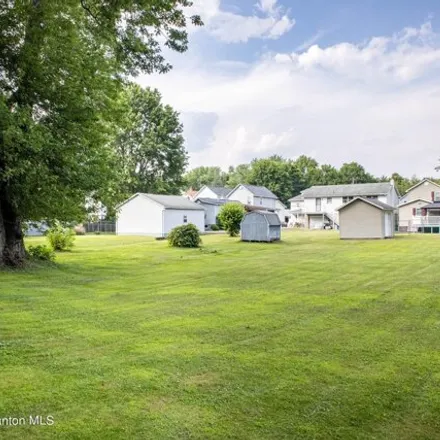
[(316, 223)]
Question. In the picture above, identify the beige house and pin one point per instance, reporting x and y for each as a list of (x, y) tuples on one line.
[(413, 216), (363, 218)]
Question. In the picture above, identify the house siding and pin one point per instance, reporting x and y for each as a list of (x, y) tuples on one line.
[(361, 220), (422, 191), (206, 193)]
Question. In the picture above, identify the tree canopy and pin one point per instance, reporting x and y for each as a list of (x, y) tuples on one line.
[(62, 68)]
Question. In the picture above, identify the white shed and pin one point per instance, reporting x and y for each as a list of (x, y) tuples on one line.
[(156, 215)]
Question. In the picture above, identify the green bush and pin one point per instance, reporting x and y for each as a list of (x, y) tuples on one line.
[(215, 228), (230, 217), (60, 237), (41, 252), (185, 236)]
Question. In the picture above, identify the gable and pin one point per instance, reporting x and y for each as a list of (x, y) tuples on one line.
[(423, 190)]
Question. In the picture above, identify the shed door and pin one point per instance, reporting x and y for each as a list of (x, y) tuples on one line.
[(388, 224)]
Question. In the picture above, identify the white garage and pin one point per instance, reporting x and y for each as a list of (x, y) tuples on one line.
[(156, 215)]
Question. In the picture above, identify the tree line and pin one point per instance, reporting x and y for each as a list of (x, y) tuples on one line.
[(288, 177)]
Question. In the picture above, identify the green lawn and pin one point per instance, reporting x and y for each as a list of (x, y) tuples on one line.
[(310, 338)]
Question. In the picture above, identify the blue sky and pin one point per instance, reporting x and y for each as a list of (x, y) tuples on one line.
[(336, 80)]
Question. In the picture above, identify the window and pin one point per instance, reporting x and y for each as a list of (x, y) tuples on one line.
[(261, 201), (329, 200), (372, 197), (418, 212), (437, 196), (185, 219), (346, 199), (249, 200), (318, 205)]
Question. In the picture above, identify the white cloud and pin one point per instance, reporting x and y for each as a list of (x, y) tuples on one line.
[(232, 27), (376, 103)]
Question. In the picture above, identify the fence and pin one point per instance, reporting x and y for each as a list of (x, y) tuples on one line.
[(101, 227), (426, 225)]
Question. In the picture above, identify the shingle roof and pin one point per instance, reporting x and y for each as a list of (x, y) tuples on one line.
[(221, 191), (217, 202), (376, 203), (271, 217), (173, 202), (357, 189), (409, 202), (435, 205), (298, 198), (259, 191)]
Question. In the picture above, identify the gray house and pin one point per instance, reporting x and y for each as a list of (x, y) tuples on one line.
[(363, 218), (260, 226)]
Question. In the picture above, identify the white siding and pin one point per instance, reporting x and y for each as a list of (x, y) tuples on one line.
[(206, 193), (326, 205), (242, 195), (140, 216), (173, 218)]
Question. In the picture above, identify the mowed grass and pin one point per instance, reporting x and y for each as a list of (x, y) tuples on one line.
[(309, 338)]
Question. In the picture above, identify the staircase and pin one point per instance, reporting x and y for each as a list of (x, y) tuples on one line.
[(333, 219)]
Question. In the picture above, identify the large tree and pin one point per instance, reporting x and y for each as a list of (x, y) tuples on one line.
[(149, 144), (354, 173), (61, 66), (279, 175)]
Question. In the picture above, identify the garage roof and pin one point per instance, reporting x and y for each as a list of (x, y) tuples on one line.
[(168, 202), (174, 202)]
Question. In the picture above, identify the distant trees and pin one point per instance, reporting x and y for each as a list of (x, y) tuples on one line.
[(354, 173), (200, 176)]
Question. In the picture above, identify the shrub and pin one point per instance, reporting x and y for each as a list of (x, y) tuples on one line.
[(230, 217), (60, 237), (41, 252), (214, 228), (185, 236)]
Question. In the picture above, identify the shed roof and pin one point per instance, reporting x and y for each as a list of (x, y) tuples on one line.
[(375, 203), (168, 202), (271, 218), (357, 189)]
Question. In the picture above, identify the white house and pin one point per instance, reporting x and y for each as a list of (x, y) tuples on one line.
[(258, 196), (297, 216), (321, 203), (212, 208), (212, 192), (156, 215), (283, 213)]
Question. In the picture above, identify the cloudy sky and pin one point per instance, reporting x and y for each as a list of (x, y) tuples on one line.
[(338, 80)]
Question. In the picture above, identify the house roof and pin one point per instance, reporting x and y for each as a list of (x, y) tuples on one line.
[(168, 202), (298, 198), (357, 189), (221, 191), (216, 202), (420, 183), (413, 201), (271, 218), (434, 205), (259, 191), (375, 203)]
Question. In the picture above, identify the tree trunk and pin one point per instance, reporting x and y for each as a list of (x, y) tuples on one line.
[(12, 248)]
